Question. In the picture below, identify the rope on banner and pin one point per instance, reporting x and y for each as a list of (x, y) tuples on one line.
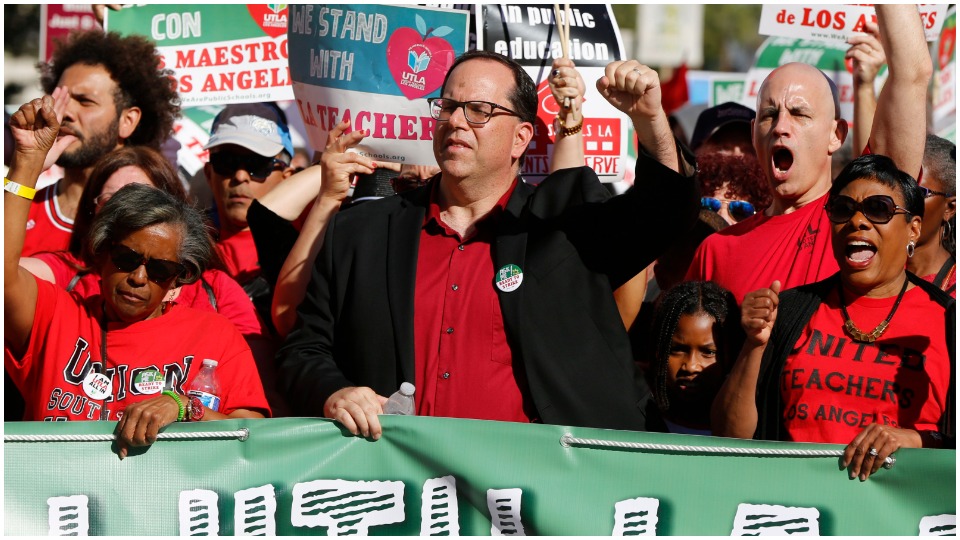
[(241, 434), (568, 441)]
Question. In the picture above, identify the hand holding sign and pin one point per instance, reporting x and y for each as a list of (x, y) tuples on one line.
[(338, 166), (866, 54)]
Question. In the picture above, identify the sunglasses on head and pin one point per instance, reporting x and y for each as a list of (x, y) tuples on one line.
[(258, 167), (158, 270), (738, 210), (879, 209)]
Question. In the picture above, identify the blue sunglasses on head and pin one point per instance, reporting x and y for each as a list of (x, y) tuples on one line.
[(738, 210)]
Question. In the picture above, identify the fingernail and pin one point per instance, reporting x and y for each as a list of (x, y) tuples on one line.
[(863, 477), (374, 166)]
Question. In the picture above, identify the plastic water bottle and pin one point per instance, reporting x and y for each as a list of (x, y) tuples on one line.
[(206, 387), (401, 402)]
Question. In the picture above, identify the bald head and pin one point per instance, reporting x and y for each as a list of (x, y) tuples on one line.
[(806, 71)]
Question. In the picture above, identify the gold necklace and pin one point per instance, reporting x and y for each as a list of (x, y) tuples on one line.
[(860, 335)]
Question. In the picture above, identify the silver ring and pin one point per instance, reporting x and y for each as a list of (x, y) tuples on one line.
[(889, 462), (873, 452), (556, 73), (637, 71)]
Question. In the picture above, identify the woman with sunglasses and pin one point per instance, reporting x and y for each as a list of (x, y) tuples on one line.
[(863, 358), (935, 257), (122, 355)]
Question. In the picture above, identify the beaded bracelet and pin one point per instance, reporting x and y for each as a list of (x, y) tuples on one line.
[(567, 131), (183, 410), (19, 190)]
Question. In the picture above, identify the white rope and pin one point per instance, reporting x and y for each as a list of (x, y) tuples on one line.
[(241, 434), (569, 441)]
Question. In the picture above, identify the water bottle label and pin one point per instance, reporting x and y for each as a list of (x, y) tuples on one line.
[(209, 401)]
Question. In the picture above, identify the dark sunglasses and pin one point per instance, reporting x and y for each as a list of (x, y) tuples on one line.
[(158, 270), (879, 209), (738, 210), (406, 183), (258, 167), (927, 193)]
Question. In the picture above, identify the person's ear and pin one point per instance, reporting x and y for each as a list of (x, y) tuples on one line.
[(522, 137), (208, 173), (951, 209), (839, 135), (915, 224), (129, 120)]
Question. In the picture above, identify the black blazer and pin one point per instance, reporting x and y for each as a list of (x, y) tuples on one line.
[(575, 246)]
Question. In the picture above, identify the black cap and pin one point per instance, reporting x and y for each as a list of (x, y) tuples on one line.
[(714, 118)]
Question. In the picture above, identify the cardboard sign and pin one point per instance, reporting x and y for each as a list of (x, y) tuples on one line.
[(219, 54), (836, 22), (375, 65), (528, 34)]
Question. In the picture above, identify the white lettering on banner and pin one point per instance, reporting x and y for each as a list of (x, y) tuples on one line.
[(255, 512), (439, 511), (175, 25), (354, 506), (504, 507), (521, 49), (198, 513), (68, 516), (636, 517), (941, 525), (347, 507), (324, 63), (337, 23), (775, 520), (542, 15)]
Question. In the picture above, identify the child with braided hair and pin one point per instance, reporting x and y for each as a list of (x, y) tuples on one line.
[(696, 335)]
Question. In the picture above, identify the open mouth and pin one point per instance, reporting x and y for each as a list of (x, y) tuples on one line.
[(782, 160), (860, 252)]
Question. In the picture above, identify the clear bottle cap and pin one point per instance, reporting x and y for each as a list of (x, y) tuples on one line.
[(210, 362), (407, 389)]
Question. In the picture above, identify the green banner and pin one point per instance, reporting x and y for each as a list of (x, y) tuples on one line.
[(441, 476)]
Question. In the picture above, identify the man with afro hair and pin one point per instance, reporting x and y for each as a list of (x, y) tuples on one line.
[(119, 95)]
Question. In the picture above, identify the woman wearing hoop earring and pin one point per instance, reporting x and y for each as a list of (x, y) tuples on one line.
[(935, 258)]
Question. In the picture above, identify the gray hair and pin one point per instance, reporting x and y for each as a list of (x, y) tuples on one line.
[(137, 206)]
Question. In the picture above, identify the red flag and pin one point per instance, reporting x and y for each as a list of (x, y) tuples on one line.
[(674, 93)]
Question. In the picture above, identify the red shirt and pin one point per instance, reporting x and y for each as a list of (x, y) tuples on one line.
[(833, 388), (47, 228), (239, 254), (464, 366)]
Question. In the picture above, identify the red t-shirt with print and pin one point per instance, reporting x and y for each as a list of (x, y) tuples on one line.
[(48, 229), (833, 387), (65, 347)]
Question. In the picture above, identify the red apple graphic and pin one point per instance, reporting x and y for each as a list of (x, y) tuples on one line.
[(271, 18), (419, 58), (948, 41)]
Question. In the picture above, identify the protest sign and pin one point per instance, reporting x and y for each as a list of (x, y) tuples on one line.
[(374, 65), (835, 22), (446, 476), (528, 34), (219, 54), (58, 20), (826, 56), (715, 87), (945, 79)]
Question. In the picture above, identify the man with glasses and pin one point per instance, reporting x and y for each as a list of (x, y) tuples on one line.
[(250, 152), (493, 297), (797, 130)]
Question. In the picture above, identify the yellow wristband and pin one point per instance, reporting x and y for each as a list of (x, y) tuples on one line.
[(18, 190)]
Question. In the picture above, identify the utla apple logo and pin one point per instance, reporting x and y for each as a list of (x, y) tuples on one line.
[(948, 42), (271, 18), (419, 58)]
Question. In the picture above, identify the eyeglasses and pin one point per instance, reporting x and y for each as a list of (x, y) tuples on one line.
[(927, 193), (406, 183), (739, 210), (258, 167), (476, 112), (878, 209), (158, 270)]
